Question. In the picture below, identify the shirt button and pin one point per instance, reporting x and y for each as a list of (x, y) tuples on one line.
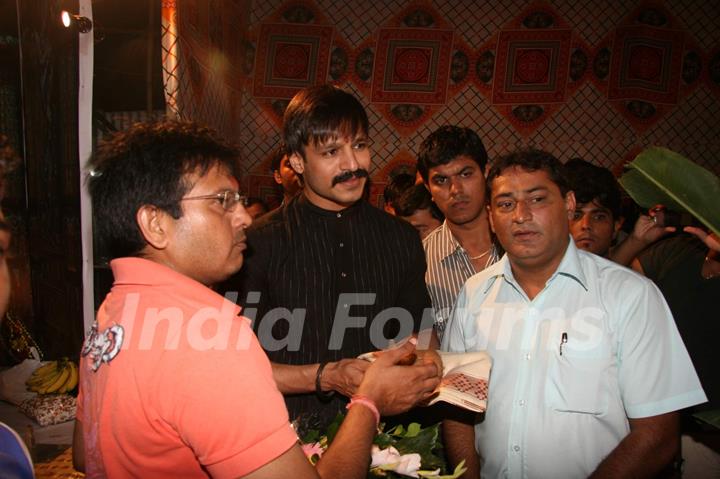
[(343, 275), (527, 357), (345, 306), (339, 215), (516, 448), (342, 244), (521, 402)]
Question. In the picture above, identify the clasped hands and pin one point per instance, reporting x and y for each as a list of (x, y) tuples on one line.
[(396, 380)]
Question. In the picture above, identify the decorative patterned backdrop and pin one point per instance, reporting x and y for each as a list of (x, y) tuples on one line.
[(599, 80)]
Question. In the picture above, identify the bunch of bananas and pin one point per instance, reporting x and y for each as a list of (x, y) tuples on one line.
[(54, 377)]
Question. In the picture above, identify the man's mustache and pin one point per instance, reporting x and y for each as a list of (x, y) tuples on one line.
[(359, 173)]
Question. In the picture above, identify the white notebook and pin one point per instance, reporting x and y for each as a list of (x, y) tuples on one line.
[(465, 379)]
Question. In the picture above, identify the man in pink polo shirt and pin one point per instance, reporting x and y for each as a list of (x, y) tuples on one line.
[(173, 381)]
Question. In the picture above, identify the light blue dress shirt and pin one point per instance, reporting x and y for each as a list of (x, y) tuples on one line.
[(597, 345)]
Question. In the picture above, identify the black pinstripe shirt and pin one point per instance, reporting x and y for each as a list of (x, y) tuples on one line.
[(333, 275)]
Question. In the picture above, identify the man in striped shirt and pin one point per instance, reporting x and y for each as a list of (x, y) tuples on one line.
[(329, 276), (451, 162)]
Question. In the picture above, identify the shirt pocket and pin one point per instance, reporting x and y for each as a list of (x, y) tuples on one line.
[(577, 382)]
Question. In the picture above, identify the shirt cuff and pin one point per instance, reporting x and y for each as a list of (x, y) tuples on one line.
[(675, 403), (256, 456)]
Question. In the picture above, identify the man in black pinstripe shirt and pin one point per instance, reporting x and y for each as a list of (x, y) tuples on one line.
[(328, 276)]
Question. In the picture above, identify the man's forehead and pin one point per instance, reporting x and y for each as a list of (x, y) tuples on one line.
[(593, 206), (509, 180), (337, 139), (454, 166), (517, 170), (420, 213)]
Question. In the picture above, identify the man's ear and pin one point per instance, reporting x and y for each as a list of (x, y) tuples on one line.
[(570, 203), (297, 163), (618, 224), (154, 225)]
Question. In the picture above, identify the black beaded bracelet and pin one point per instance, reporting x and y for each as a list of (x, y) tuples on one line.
[(318, 386)]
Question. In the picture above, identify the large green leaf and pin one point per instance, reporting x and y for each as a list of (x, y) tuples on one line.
[(334, 427), (424, 442), (661, 176)]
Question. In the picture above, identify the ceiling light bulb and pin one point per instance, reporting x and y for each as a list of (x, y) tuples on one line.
[(82, 24), (65, 16)]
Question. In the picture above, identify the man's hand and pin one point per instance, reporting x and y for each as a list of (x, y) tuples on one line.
[(430, 356), (646, 231), (395, 389), (711, 240), (418, 356), (344, 376)]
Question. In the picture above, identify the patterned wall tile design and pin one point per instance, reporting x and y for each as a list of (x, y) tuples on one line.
[(477, 22), (263, 136), (585, 124), (701, 18), (688, 129), (592, 21), (262, 10), (355, 21)]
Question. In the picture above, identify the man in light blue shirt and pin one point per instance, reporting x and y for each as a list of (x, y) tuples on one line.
[(589, 370)]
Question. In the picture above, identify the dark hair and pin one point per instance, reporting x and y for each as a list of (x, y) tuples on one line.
[(591, 182), (447, 143), (254, 200), (417, 197), (530, 160), (277, 156), (321, 113), (398, 184), (147, 164)]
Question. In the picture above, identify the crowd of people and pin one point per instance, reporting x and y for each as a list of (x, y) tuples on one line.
[(224, 325)]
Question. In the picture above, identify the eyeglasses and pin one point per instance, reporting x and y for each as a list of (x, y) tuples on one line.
[(228, 199)]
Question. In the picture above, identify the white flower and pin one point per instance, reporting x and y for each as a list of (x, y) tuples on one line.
[(391, 460)]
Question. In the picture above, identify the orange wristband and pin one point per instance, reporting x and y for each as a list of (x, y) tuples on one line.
[(368, 403)]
